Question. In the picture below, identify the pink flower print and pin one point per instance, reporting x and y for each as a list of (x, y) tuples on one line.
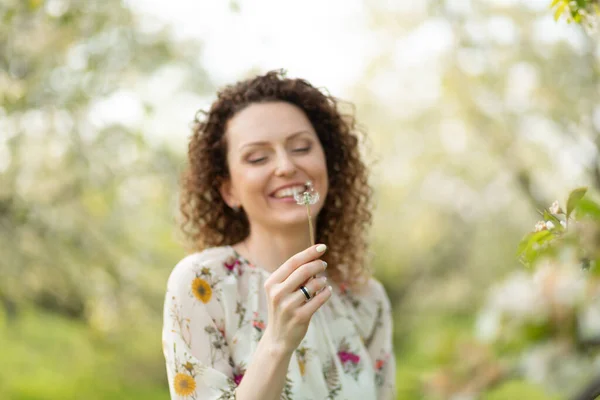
[(238, 372), (346, 356), (349, 359), (233, 264), (237, 378), (379, 364)]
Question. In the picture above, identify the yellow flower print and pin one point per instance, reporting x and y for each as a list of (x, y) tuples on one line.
[(302, 356), (201, 290), (184, 385), (302, 366)]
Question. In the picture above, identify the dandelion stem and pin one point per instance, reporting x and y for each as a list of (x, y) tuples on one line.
[(310, 226)]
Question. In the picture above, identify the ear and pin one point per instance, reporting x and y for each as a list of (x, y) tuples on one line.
[(227, 193)]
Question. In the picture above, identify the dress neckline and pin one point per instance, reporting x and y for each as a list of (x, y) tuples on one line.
[(244, 260)]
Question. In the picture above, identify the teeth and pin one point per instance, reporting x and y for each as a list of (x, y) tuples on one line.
[(289, 191)]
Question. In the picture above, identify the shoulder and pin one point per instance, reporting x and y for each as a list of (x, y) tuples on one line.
[(367, 298), (211, 264), (374, 291)]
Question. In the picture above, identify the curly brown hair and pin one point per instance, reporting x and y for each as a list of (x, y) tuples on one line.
[(346, 215)]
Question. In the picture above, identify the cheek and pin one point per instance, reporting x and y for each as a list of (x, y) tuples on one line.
[(321, 164), (250, 180)]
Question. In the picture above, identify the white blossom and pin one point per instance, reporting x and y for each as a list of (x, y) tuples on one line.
[(555, 208), (540, 226)]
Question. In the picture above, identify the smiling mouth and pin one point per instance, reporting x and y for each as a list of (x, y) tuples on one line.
[(288, 192)]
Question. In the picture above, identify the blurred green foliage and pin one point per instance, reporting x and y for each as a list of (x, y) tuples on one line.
[(87, 205), (45, 356), (580, 11)]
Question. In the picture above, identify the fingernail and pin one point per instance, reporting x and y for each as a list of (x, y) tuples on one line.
[(324, 264), (330, 288), (321, 248)]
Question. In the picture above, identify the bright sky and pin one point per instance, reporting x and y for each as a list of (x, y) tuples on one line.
[(325, 42)]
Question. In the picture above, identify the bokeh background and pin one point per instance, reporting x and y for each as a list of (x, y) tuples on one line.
[(478, 113)]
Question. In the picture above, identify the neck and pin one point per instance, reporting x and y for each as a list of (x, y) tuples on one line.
[(269, 248)]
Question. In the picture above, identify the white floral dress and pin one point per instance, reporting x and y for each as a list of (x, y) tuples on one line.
[(216, 312)]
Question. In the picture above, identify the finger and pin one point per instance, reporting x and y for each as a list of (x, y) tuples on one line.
[(306, 256), (313, 287), (303, 274), (306, 311)]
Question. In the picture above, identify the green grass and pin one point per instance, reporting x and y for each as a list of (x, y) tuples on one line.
[(45, 356), (518, 390)]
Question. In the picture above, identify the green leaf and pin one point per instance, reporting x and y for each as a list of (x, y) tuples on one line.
[(554, 3), (524, 243), (528, 251), (559, 11), (589, 208), (574, 197)]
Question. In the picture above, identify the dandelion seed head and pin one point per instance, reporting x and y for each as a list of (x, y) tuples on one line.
[(308, 197)]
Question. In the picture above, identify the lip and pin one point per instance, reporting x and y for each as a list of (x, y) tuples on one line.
[(272, 194)]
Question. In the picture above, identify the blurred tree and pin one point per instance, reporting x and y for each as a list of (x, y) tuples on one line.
[(86, 203), (485, 111), (482, 109)]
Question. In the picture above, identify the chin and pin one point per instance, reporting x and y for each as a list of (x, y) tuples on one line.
[(297, 216)]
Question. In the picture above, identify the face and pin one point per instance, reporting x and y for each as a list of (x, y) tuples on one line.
[(272, 149)]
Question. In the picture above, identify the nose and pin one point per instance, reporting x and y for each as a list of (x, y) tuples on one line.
[(285, 166)]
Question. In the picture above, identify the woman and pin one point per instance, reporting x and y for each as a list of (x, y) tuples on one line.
[(254, 313)]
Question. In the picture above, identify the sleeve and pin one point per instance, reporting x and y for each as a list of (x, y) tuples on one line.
[(380, 346), (196, 352)]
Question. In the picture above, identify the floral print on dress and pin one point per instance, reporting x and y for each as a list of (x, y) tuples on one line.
[(240, 311), (303, 354), (233, 265), (238, 373), (286, 393), (208, 344), (376, 326), (349, 359), (347, 293), (203, 284), (217, 343), (332, 379), (259, 325), (228, 393), (184, 384), (184, 381), (186, 371), (201, 290), (379, 367)]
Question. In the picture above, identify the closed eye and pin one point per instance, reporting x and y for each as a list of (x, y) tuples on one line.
[(301, 150), (257, 160)]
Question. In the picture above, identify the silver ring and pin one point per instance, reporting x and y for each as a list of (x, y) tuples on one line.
[(303, 289)]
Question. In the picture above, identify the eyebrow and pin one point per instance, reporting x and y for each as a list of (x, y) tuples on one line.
[(262, 143)]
